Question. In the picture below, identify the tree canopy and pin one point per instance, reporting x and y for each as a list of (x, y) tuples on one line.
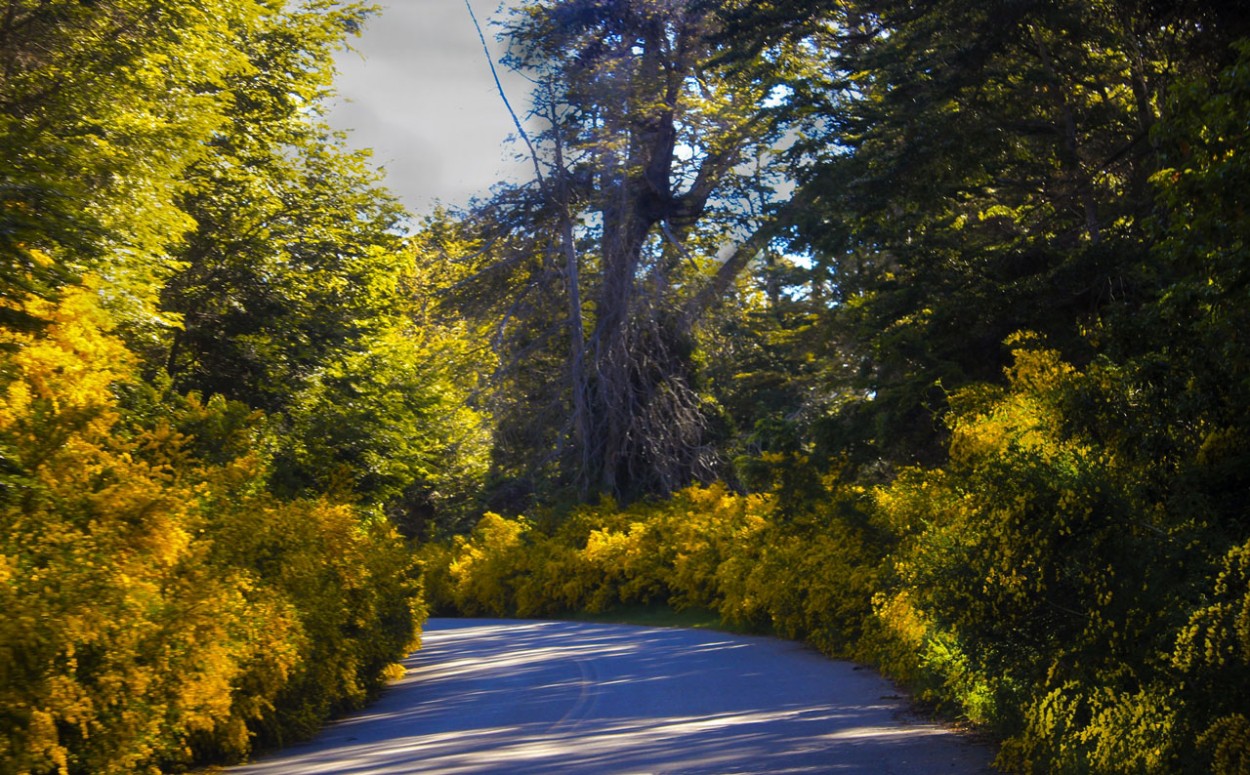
[(218, 407), (653, 156), (913, 330), (966, 296)]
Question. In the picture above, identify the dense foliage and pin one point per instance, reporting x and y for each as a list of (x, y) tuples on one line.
[(993, 405), (738, 555), (220, 399), (916, 331), (161, 606)]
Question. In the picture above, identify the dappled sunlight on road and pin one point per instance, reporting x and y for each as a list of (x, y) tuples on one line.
[(531, 697)]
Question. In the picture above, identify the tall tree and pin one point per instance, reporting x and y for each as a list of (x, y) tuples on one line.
[(294, 237), (655, 176), (297, 293)]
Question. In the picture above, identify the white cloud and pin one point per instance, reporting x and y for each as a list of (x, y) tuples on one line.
[(419, 92)]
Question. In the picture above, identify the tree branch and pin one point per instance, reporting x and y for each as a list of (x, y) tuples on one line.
[(736, 258), (503, 96)]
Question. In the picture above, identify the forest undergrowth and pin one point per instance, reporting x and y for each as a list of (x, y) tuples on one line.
[(1025, 587), (914, 331)]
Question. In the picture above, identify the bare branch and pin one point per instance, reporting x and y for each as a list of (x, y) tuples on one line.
[(516, 121)]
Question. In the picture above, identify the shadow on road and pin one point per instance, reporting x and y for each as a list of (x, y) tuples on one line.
[(543, 697)]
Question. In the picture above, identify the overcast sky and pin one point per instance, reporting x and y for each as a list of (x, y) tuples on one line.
[(419, 92)]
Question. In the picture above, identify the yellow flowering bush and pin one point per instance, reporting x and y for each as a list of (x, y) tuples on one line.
[(1213, 654), (484, 568), (706, 547), (1027, 585), (1033, 589), (159, 608)]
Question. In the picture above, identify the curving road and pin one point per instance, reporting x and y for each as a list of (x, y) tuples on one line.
[(562, 697)]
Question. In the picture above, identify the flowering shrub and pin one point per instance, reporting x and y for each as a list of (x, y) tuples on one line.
[(160, 608), (705, 547), (1027, 585)]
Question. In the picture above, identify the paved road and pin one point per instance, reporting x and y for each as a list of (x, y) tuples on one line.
[(486, 696)]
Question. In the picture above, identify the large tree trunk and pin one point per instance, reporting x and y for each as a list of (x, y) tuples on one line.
[(629, 84)]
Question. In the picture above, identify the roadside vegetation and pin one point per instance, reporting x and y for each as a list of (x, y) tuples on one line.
[(218, 409), (913, 331)]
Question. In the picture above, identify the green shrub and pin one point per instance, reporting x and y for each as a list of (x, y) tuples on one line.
[(160, 608)]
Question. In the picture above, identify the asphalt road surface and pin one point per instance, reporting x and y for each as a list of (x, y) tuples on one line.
[(486, 696)]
